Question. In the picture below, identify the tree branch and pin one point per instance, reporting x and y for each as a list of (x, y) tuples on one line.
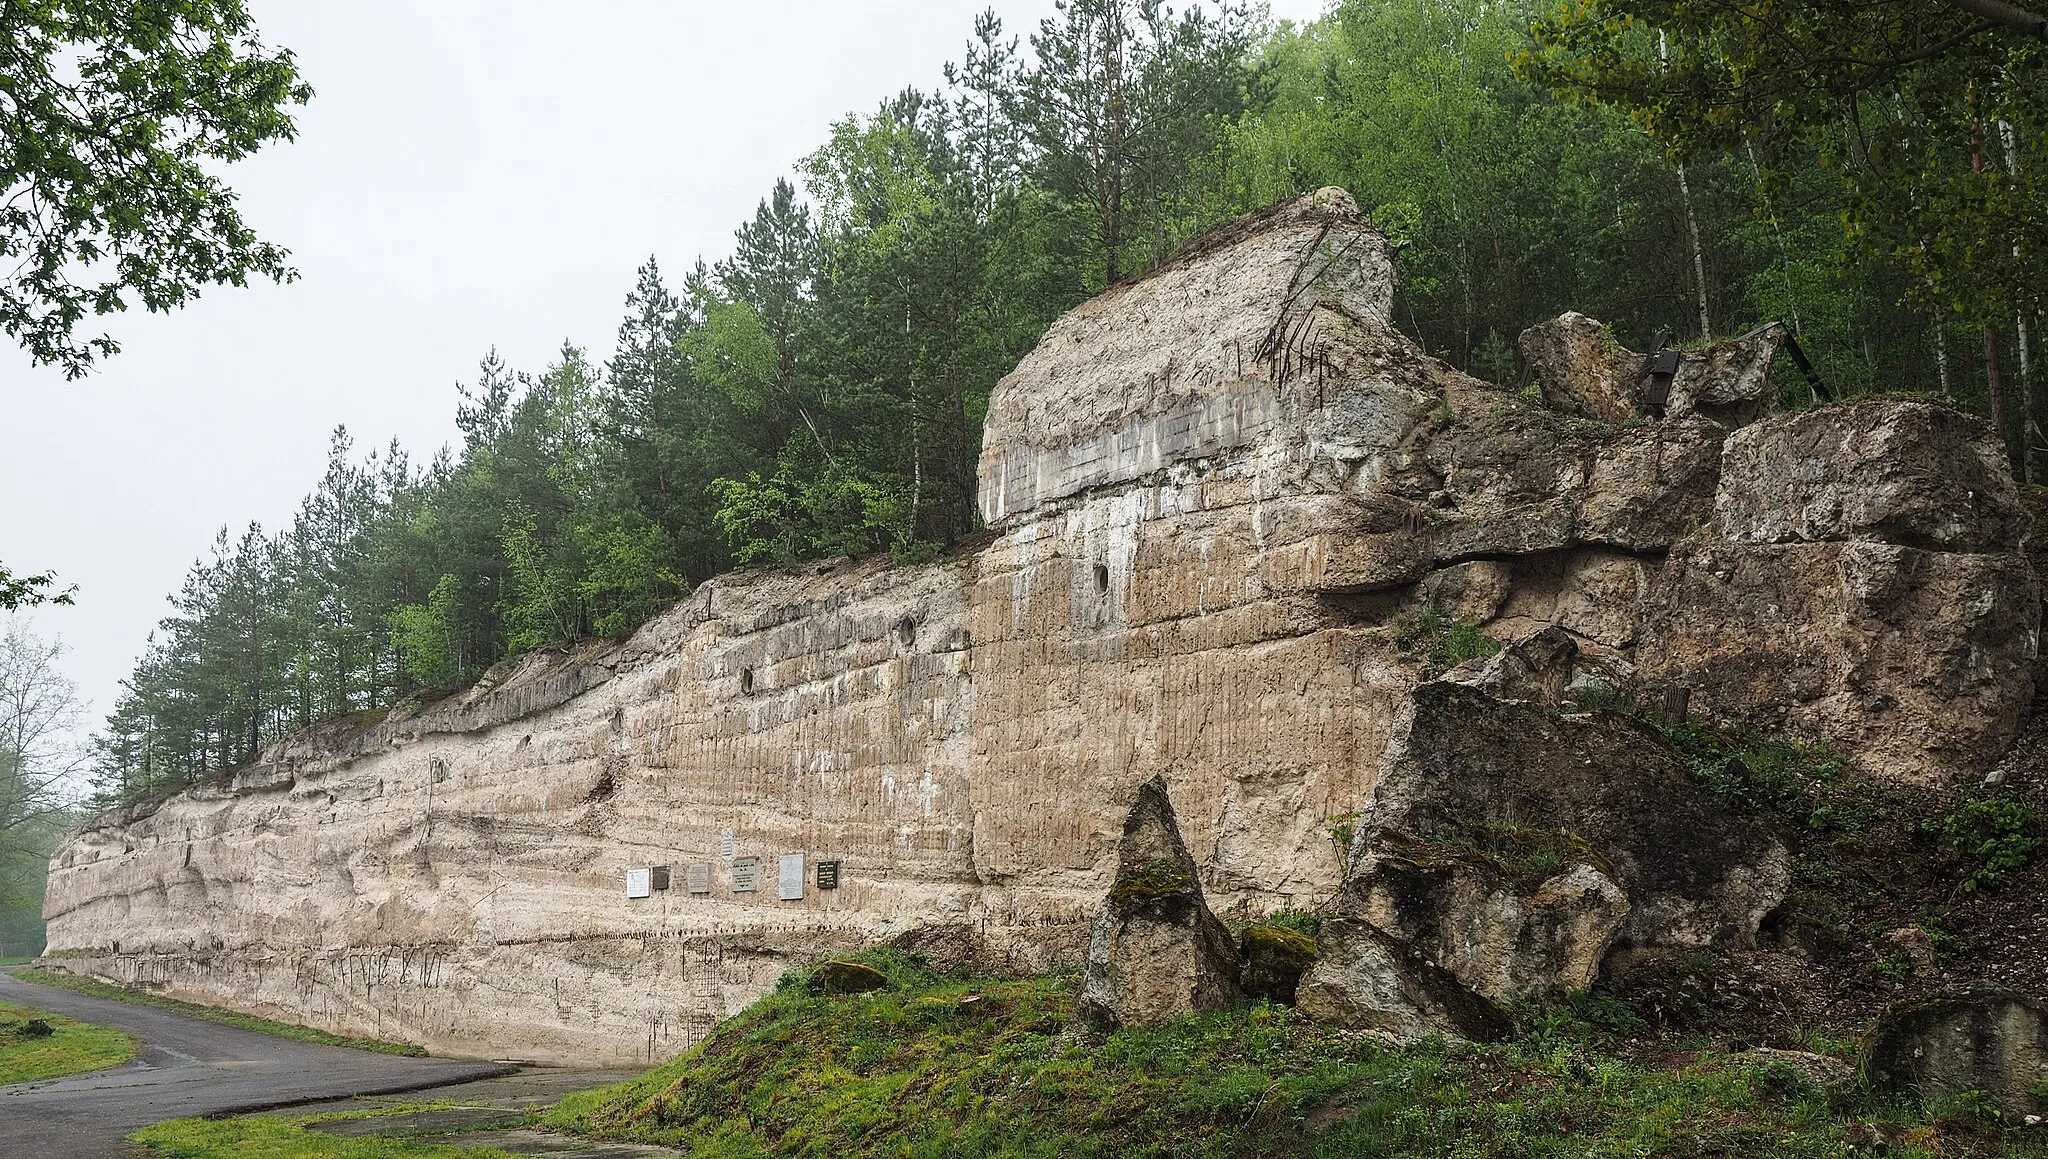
[(2007, 16)]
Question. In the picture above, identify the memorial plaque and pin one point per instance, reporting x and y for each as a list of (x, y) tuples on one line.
[(725, 844), (637, 881), (658, 877), (828, 875), (746, 875), (700, 877), (790, 884)]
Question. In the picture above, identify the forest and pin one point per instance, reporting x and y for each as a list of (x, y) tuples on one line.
[(1868, 176)]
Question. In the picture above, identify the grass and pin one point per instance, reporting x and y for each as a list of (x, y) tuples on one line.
[(69, 1048), (913, 1072), (271, 1137), (1442, 643), (214, 1014)]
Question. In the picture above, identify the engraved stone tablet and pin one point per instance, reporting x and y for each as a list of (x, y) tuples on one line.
[(746, 875), (828, 875), (658, 877), (725, 844), (700, 877), (637, 881), (790, 886)]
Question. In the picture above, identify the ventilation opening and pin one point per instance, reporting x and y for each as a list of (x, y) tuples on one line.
[(746, 681), (1101, 578), (906, 632)]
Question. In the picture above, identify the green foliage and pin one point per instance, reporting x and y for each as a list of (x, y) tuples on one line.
[(289, 1137), (822, 391), (215, 1014), (1900, 103), (30, 591), (1772, 774), (120, 116), (35, 1045), (913, 1070), (1441, 642), (1994, 835), (424, 636)]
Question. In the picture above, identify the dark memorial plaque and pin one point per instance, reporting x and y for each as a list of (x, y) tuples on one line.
[(828, 875), (746, 875), (700, 877), (657, 876)]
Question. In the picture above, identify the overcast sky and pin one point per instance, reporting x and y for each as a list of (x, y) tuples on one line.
[(468, 175)]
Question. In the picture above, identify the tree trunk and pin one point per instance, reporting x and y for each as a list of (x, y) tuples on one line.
[(1994, 383)]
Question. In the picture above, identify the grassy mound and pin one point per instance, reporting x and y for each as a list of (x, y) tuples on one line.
[(35, 1045), (215, 1014), (920, 1070)]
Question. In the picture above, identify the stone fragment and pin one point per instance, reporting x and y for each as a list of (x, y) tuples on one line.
[(1366, 980), (1538, 667), (1581, 369), (1157, 952), (838, 977), (1511, 852), (1476, 768), (1982, 1039), (1497, 915), (1728, 381), (1275, 958), (1909, 473)]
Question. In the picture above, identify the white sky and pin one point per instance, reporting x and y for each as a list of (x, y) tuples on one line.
[(468, 175)]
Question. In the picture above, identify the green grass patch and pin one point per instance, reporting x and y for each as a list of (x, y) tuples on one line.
[(27, 1054), (1441, 643), (913, 1071), (99, 989), (270, 1137), (15, 961)]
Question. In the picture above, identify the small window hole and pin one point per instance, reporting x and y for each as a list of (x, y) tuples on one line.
[(906, 632), (746, 681), (1101, 578)]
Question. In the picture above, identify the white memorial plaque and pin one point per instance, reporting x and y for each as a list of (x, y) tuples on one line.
[(746, 875), (700, 877), (790, 887), (639, 883), (725, 844)]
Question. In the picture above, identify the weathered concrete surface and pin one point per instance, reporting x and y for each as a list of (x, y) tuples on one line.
[(1212, 493)]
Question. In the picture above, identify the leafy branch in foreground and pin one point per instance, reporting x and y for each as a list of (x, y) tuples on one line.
[(114, 113)]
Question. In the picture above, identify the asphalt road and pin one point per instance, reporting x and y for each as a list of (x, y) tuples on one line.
[(187, 1066)]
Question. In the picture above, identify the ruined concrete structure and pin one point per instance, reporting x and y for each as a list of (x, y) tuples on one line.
[(1219, 497)]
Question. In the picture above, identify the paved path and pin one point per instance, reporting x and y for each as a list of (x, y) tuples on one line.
[(188, 1066)]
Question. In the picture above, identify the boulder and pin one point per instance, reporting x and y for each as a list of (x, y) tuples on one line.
[(1728, 381), (1538, 667), (1906, 473), (1985, 1039), (1512, 852), (1367, 980), (1157, 952), (1918, 664), (1581, 369)]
